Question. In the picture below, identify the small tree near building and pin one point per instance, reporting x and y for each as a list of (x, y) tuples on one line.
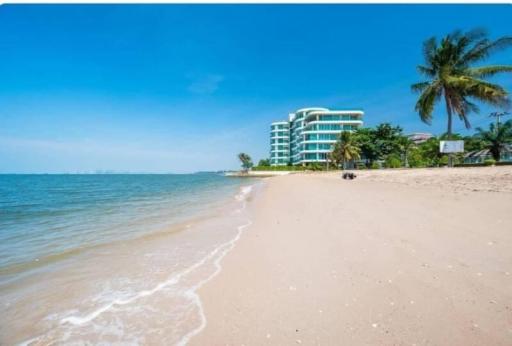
[(246, 161)]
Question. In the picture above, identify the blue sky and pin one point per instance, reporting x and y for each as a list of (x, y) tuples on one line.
[(182, 88)]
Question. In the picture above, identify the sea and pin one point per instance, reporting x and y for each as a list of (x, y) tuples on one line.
[(113, 258)]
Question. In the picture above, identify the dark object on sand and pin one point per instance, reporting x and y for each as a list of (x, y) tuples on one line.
[(348, 175)]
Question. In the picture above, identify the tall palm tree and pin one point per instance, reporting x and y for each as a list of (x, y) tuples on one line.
[(496, 138), (345, 149), (450, 74)]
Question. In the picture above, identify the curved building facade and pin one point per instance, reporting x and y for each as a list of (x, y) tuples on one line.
[(312, 133)]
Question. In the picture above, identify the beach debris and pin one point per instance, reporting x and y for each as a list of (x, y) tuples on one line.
[(349, 176), (298, 341), (375, 325), (412, 302), (268, 336)]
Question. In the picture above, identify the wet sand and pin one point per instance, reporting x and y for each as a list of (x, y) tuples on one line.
[(403, 257)]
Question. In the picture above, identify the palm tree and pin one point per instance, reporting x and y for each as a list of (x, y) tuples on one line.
[(345, 149), (496, 138), (450, 74), (245, 160)]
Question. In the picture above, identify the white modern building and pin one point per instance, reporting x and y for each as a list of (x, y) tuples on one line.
[(280, 143), (310, 134)]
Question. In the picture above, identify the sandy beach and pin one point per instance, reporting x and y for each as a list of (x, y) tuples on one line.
[(395, 257)]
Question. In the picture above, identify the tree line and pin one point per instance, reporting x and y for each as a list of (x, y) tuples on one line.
[(387, 146)]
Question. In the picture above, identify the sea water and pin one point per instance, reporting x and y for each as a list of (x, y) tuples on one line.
[(107, 259)]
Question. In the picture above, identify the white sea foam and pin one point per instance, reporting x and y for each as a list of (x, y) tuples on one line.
[(192, 292), (244, 192), (214, 257)]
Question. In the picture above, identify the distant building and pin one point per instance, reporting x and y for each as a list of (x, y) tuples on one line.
[(480, 156), (419, 137), (310, 134)]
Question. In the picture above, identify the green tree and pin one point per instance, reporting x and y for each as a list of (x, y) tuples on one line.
[(450, 75), (387, 139), (405, 145), (365, 139), (245, 160), (430, 152), (264, 162), (495, 139), (415, 158), (345, 149), (473, 143)]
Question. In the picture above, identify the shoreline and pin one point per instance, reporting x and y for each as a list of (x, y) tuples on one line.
[(146, 273), (388, 258)]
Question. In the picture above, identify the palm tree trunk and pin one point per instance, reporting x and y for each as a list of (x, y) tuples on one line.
[(449, 130)]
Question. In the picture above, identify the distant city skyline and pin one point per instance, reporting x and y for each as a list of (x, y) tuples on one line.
[(185, 88)]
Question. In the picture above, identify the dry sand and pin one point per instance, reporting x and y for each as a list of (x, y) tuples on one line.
[(403, 257)]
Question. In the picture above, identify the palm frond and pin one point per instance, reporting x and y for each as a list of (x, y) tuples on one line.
[(425, 104), (476, 34), (427, 71), (471, 107), (484, 48), (461, 106), (429, 50), (488, 71), (419, 87), (486, 92), (464, 40)]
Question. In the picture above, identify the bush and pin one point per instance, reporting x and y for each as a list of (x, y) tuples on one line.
[(278, 168), (443, 161), (315, 166), (264, 162), (360, 165), (416, 159), (393, 161), (490, 162), (375, 165)]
